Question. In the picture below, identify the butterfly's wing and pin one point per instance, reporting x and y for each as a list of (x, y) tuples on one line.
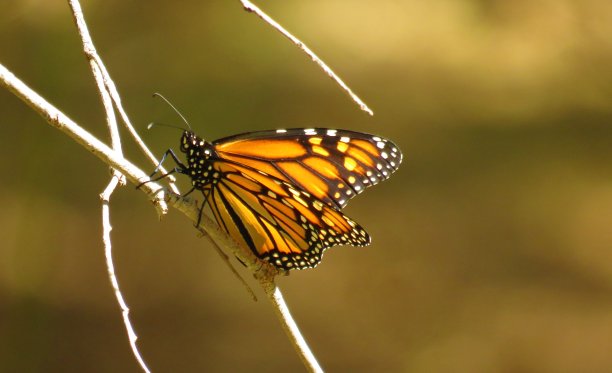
[(332, 165), (278, 221)]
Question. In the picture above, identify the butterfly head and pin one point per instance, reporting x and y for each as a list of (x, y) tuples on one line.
[(198, 151), (195, 146)]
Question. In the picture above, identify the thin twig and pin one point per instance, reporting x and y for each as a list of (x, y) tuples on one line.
[(60, 121), (160, 196), (264, 272), (162, 199), (94, 59), (96, 68), (289, 326), (117, 179), (107, 89), (250, 7), (106, 239)]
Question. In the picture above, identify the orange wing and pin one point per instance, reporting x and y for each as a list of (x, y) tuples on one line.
[(280, 223), (331, 165)]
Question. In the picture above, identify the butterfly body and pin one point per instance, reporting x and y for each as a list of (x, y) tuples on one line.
[(279, 193)]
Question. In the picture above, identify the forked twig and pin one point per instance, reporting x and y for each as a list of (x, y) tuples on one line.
[(264, 272), (251, 8), (102, 76), (117, 179), (60, 121)]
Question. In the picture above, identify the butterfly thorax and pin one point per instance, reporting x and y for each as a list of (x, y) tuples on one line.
[(199, 153)]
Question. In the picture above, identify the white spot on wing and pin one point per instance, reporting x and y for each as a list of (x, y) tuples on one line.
[(281, 130), (331, 132)]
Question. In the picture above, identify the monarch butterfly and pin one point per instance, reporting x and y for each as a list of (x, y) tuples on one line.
[(279, 192)]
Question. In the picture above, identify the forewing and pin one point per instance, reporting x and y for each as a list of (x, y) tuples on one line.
[(332, 165)]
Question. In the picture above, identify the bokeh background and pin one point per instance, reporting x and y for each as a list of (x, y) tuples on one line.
[(492, 244)]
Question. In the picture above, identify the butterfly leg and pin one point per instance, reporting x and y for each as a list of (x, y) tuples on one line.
[(179, 168), (202, 207)]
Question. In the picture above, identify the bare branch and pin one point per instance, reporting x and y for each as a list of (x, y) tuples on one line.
[(251, 8), (264, 272), (106, 239), (90, 53), (288, 323), (117, 179), (160, 196), (60, 121), (104, 76)]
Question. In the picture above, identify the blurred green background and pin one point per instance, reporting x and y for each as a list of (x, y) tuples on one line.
[(492, 244)]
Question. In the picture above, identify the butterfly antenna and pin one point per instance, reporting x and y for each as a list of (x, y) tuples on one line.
[(153, 124), (173, 108)]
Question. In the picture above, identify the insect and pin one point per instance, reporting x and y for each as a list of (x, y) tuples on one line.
[(279, 193)]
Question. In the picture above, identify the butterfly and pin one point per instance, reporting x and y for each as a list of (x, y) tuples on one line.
[(279, 193)]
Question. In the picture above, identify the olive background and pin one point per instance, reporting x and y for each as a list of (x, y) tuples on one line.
[(492, 244)]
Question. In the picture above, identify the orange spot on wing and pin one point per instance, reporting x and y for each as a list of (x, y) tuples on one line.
[(338, 219), (368, 147), (308, 181), (360, 156), (263, 179), (321, 151), (256, 164), (280, 207), (267, 148), (342, 146), (248, 217), (322, 166), (298, 244), (349, 163), (309, 215), (296, 235), (244, 183), (279, 243), (224, 219), (251, 202), (328, 221)]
